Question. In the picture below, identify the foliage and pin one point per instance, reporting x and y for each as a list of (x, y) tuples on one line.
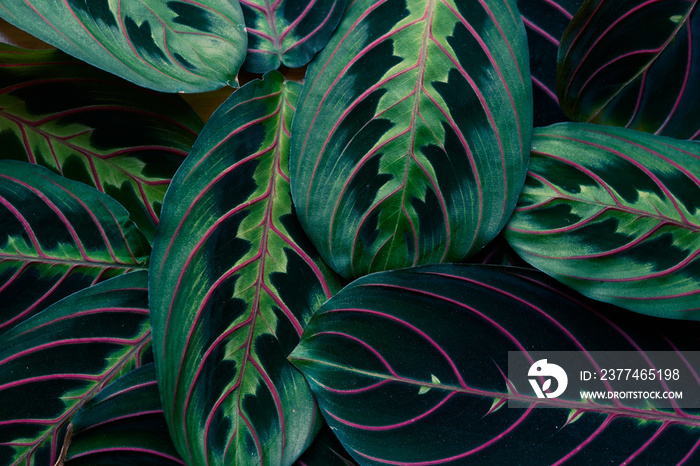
[(179, 292)]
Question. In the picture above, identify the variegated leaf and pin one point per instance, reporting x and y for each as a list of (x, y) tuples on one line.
[(287, 32), (635, 64), (52, 364), (92, 127), (233, 282), (615, 214), (411, 140), (57, 236), (123, 424), (170, 46)]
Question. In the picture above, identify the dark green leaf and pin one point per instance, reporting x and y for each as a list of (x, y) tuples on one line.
[(57, 236), (410, 367), (233, 283), (633, 63), (123, 424), (53, 363), (545, 22), (89, 126), (411, 140)]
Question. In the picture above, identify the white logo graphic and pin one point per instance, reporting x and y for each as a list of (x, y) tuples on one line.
[(542, 368)]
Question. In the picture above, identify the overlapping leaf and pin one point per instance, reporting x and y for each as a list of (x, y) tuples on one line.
[(54, 363), (233, 282), (545, 22), (409, 368), (170, 46), (412, 135), (287, 32), (92, 127), (615, 214), (57, 236), (123, 422), (634, 63)]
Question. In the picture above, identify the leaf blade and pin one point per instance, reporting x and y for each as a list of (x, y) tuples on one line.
[(174, 46), (460, 321), (58, 236), (363, 136), (545, 22), (601, 202), (227, 309), (631, 64), (124, 420), (103, 327), (92, 127)]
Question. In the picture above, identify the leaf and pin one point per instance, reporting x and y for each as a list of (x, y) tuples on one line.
[(369, 350), (123, 422), (633, 64), (89, 126), (287, 32), (169, 46), (614, 213), (326, 450), (57, 236), (545, 22), (410, 142), (233, 282), (54, 363)]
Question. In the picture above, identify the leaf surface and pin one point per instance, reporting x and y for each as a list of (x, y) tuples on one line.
[(169, 46), (57, 236), (635, 64), (92, 127), (615, 214), (53, 363), (233, 282), (287, 32), (410, 368), (410, 142), (123, 422), (545, 22)]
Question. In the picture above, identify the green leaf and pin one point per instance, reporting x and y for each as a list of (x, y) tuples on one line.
[(169, 46), (57, 236), (89, 126), (123, 423), (233, 283), (53, 363), (287, 32), (411, 140), (615, 214), (635, 64), (446, 330)]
